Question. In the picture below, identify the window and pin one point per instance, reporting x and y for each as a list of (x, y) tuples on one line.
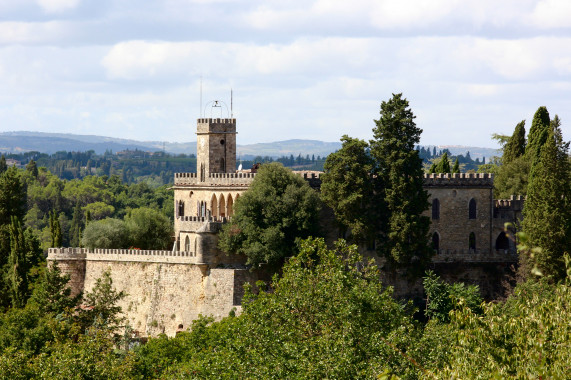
[(180, 208), (435, 241), (472, 241), (472, 209), (435, 209), (187, 244), (502, 242)]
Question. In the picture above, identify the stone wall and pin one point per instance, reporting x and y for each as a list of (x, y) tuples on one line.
[(165, 293)]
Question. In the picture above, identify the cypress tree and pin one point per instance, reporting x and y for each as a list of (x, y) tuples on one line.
[(17, 275), (55, 230), (32, 168), (515, 147), (399, 185), (432, 169), (3, 166), (444, 164), (75, 229), (456, 168), (538, 132), (12, 196), (547, 209)]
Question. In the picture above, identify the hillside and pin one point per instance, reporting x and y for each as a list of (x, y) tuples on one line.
[(18, 142)]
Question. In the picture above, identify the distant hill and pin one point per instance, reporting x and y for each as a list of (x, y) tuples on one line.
[(18, 142)]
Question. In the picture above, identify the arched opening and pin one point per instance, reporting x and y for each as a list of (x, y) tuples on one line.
[(230, 205), (502, 242), (472, 241), (187, 244), (436, 241), (435, 208), (195, 245), (180, 210), (202, 208), (472, 209), (214, 205), (222, 206), (222, 166)]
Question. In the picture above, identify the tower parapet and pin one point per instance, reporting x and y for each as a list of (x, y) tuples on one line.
[(216, 147), (485, 180)]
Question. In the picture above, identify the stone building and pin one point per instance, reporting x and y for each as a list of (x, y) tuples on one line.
[(167, 290)]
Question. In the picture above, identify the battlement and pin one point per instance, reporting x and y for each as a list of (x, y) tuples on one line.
[(216, 121), (123, 255), (215, 179), (485, 180), (515, 202)]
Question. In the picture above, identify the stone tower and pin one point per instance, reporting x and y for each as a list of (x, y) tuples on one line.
[(216, 147)]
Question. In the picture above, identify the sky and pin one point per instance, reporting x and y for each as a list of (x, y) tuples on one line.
[(308, 69)]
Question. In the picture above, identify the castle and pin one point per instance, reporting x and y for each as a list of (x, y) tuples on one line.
[(167, 290)]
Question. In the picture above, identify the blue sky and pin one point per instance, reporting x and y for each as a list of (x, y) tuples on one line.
[(299, 69)]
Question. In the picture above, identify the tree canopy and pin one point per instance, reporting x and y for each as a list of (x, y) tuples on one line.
[(278, 209)]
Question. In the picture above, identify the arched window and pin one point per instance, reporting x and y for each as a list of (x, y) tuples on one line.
[(502, 242), (222, 166), (187, 244), (180, 208), (214, 205), (472, 209), (230, 205), (472, 241), (222, 206), (435, 208), (435, 241)]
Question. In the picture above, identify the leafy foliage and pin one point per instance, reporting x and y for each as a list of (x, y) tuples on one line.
[(278, 209), (347, 188), (106, 233), (442, 298), (404, 233), (328, 316), (547, 210)]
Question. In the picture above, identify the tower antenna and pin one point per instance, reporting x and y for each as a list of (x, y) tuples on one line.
[(231, 105)]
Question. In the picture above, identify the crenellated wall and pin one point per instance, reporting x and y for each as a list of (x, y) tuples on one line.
[(165, 290)]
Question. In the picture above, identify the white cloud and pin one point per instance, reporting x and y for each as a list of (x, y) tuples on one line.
[(57, 6), (17, 32), (552, 14)]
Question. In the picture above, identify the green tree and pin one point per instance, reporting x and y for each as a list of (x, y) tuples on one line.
[(278, 209), (53, 294), (55, 230), (106, 233), (404, 235), (32, 168), (525, 337), (538, 132), (456, 168), (347, 188), (442, 298), (547, 209), (3, 166), (76, 226), (18, 266), (149, 229), (515, 147), (327, 316), (12, 196), (100, 305), (443, 165)]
